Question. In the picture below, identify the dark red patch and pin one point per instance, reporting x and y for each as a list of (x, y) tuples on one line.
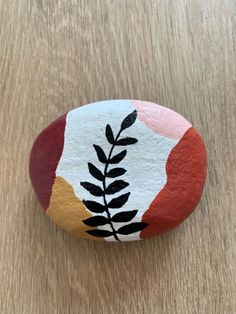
[(186, 172), (44, 158)]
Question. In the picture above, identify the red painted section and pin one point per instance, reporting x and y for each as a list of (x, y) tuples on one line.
[(186, 172), (44, 158)]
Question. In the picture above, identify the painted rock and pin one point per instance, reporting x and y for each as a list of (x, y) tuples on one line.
[(118, 170)]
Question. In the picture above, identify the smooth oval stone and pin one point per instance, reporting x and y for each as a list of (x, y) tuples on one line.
[(118, 170)]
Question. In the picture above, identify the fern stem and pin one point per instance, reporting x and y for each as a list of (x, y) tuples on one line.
[(104, 187)]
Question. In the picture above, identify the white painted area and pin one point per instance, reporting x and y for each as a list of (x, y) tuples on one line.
[(145, 161)]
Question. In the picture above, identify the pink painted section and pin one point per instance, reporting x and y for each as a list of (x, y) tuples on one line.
[(163, 121)]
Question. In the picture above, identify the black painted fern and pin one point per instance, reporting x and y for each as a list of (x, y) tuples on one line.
[(113, 188)]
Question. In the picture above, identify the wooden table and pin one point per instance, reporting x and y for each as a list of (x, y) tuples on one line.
[(58, 54)]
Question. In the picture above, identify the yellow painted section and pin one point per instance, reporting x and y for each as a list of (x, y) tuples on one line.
[(67, 211)]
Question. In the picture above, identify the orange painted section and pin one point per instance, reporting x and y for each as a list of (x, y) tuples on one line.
[(186, 172)]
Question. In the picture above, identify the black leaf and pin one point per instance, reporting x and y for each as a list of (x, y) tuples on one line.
[(94, 206), (124, 216), (126, 141), (129, 120), (95, 172), (92, 188), (116, 172), (116, 186), (117, 158), (119, 201), (101, 155), (109, 134), (95, 221), (131, 228), (100, 233)]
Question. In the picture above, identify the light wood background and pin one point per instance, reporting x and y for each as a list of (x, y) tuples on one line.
[(58, 54)]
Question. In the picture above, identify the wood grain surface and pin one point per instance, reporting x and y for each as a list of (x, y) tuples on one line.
[(56, 55)]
